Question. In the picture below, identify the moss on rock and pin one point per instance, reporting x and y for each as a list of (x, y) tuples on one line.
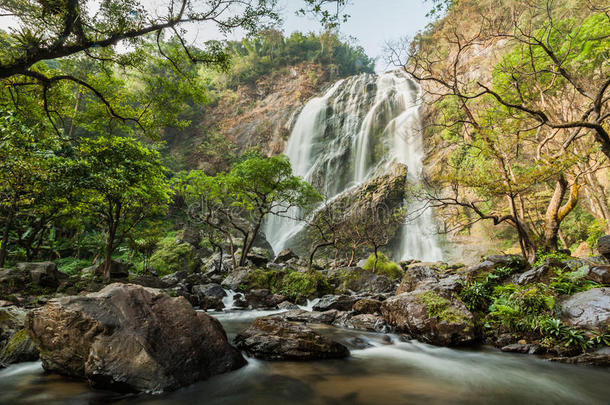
[(441, 308), (305, 284), (384, 267)]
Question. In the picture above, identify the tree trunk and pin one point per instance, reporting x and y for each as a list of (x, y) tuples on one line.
[(376, 259), (313, 252), (108, 254), (7, 230)]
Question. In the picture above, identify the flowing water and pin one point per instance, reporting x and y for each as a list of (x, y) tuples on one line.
[(381, 370), (352, 133)]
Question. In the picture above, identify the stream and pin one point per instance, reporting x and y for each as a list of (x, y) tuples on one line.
[(381, 369)]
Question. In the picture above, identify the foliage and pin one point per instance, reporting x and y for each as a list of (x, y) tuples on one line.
[(572, 282), (384, 267), (595, 231), (122, 183), (172, 256), (521, 308), (72, 266), (478, 294)]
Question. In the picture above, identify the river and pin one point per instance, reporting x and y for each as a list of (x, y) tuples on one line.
[(382, 369)]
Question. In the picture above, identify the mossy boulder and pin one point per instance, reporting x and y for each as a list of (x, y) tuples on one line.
[(172, 256), (429, 317), (357, 279), (298, 285), (385, 266), (18, 349)]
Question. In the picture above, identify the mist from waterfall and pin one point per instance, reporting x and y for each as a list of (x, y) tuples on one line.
[(351, 133)]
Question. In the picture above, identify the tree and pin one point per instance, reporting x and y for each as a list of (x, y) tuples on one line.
[(522, 135), (123, 183), (241, 200), (33, 188)]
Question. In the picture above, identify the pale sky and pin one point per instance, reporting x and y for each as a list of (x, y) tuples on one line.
[(372, 22)]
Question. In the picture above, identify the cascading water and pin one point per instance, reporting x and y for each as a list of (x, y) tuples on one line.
[(358, 127)]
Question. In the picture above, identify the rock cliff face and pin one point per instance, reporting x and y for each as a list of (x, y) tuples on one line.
[(260, 116)]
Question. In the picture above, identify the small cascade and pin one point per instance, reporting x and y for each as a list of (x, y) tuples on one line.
[(229, 300), (355, 130), (310, 304)]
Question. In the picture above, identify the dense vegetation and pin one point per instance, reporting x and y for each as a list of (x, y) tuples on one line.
[(525, 135)]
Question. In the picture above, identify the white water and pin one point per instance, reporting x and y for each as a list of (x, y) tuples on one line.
[(310, 304), (352, 133), (229, 300)]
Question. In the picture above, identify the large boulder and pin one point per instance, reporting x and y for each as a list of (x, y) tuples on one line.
[(603, 246), (588, 309), (414, 275), (429, 317), (301, 315), (43, 274), (542, 273), (274, 338), (12, 319), (130, 338), (12, 277), (367, 306)]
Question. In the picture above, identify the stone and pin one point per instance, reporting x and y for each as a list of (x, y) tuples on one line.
[(285, 255), (338, 302), (130, 338), (301, 315), (275, 338), (358, 280), (12, 319), (588, 309), (12, 277), (523, 348), (287, 305), (599, 274), (257, 259), (415, 274), (540, 274), (368, 322), (19, 348), (367, 306), (43, 274), (603, 246), (174, 278), (599, 357), (148, 280), (263, 298), (430, 318), (238, 277), (209, 296)]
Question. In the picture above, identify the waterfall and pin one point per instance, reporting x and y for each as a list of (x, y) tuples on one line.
[(355, 129)]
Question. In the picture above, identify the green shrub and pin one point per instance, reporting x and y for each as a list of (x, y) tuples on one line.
[(172, 256), (477, 295), (71, 265), (571, 282), (521, 308), (595, 231), (307, 285), (385, 266), (542, 256)]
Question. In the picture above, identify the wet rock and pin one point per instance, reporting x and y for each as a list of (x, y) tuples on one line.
[(258, 260), (505, 339), (285, 255), (42, 274), (429, 317), (130, 338), (523, 348), (588, 309), (338, 302), (217, 266), (287, 305), (275, 338), (368, 322), (600, 357), (301, 315), (19, 348), (12, 319), (603, 246), (263, 298), (209, 296), (367, 306)]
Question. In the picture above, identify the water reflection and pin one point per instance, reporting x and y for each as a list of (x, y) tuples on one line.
[(386, 370)]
